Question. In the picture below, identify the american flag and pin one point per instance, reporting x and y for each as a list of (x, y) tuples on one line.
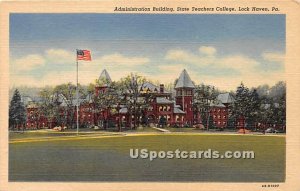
[(84, 55)]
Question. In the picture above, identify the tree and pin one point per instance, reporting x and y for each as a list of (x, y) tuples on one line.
[(17, 111), (66, 93), (211, 123), (242, 101), (105, 101), (253, 107), (203, 96), (162, 121), (231, 121), (47, 107), (272, 104), (277, 91), (242, 104), (129, 88)]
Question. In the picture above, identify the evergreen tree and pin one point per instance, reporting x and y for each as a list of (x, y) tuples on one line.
[(204, 118), (231, 122), (241, 100), (17, 111), (253, 108), (211, 123), (242, 105)]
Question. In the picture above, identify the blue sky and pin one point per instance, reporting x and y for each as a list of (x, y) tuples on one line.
[(213, 48)]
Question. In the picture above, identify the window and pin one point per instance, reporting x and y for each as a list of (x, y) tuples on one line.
[(179, 92), (168, 117), (160, 108)]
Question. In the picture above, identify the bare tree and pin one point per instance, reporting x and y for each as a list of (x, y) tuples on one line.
[(129, 87)]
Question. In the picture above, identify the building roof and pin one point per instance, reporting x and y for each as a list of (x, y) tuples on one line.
[(32, 105), (178, 111), (217, 105), (89, 98), (63, 100), (225, 98), (184, 81), (123, 110), (26, 100), (162, 100), (149, 87), (104, 78)]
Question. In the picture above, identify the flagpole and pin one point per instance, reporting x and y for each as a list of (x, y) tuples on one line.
[(77, 103)]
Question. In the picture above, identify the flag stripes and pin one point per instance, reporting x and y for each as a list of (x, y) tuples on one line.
[(84, 55)]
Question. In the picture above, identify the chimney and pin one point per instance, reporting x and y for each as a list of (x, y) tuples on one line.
[(161, 88)]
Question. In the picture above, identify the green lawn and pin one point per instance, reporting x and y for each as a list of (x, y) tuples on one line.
[(72, 132), (21, 135), (107, 159), (184, 129)]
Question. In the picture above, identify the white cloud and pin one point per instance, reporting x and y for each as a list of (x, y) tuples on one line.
[(187, 57), (236, 62), (60, 56), (178, 55), (208, 50), (53, 78), (239, 62), (274, 57), (177, 68), (246, 68), (28, 62), (120, 59), (250, 80), (119, 65)]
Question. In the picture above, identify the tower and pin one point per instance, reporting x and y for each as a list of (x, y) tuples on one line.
[(104, 81), (184, 95)]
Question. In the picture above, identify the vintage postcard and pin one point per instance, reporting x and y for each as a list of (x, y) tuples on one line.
[(130, 95)]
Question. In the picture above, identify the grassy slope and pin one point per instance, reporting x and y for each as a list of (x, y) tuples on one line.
[(108, 159)]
